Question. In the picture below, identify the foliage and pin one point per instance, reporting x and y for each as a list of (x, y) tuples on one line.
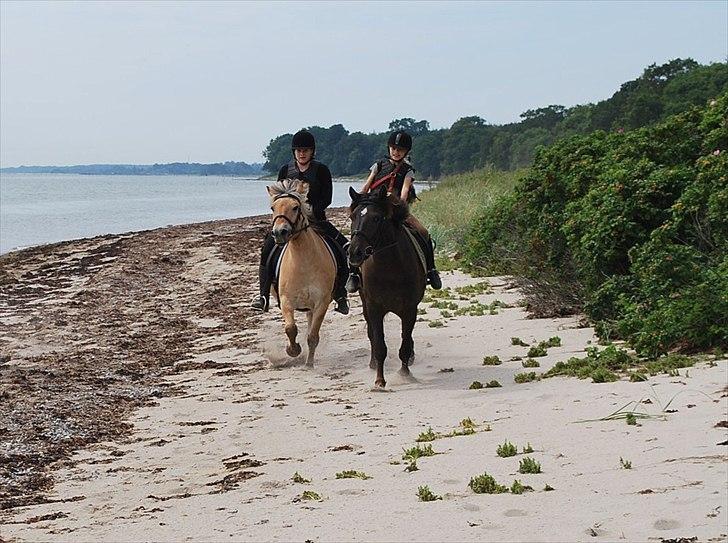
[(525, 377), (492, 384), (506, 449), (635, 224), (486, 484), (519, 488), (475, 385), (529, 465), (429, 435), (626, 464), (471, 142), (518, 341), (425, 494), (352, 474), (311, 495), (298, 478), (530, 363), (491, 360), (527, 449), (413, 453)]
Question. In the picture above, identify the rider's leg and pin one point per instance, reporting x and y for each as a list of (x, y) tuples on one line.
[(262, 301), (342, 268), (433, 277)]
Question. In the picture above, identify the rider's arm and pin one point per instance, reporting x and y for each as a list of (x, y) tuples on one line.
[(283, 172), (368, 183), (324, 177), (406, 187)]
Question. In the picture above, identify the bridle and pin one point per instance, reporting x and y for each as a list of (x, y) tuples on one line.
[(299, 215), (371, 248)]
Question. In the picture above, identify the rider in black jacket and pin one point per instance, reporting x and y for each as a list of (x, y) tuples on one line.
[(318, 177)]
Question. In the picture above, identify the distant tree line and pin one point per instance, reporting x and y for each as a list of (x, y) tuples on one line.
[(174, 168), (471, 142)]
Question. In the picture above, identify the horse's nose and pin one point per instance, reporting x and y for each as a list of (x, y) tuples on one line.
[(356, 256), (280, 234)]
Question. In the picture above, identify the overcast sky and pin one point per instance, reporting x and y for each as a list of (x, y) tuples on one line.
[(144, 82)]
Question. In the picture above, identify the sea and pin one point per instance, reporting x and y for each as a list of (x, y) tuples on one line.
[(46, 208)]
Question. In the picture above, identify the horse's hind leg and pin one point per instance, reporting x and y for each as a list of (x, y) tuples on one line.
[(407, 349), (314, 325), (293, 348)]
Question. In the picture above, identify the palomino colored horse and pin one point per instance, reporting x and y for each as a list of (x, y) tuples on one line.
[(307, 268), (393, 279)]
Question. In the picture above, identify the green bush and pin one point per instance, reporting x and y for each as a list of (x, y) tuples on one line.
[(635, 223)]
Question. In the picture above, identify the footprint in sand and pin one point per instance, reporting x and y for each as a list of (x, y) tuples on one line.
[(666, 524), (515, 513)]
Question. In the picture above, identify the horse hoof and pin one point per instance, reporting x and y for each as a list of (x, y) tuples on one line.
[(380, 384), (309, 365), (293, 350), (404, 371)]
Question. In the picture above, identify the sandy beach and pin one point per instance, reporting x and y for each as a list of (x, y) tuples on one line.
[(141, 400)]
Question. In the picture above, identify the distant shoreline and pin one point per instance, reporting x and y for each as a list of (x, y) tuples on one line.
[(229, 168)]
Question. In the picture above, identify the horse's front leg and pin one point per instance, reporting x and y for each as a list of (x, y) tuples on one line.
[(293, 349), (316, 318), (407, 349), (375, 327)]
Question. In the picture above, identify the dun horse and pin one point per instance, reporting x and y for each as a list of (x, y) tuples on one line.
[(307, 269), (393, 280)]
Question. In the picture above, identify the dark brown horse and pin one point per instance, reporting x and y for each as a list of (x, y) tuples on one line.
[(392, 276)]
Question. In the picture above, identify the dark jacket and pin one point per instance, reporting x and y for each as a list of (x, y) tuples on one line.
[(318, 177)]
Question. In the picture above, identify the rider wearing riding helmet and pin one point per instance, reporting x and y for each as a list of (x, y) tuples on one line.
[(396, 172), (318, 177)]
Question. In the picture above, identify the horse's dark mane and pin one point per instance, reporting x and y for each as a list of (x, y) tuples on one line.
[(394, 208)]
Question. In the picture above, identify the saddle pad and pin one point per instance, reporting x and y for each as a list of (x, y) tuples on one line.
[(327, 243)]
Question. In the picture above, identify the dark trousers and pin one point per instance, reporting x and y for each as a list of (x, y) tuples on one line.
[(265, 271)]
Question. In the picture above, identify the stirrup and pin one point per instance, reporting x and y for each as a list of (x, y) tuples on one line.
[(433, 279), (353, 283), (342, 306), (260, 303)]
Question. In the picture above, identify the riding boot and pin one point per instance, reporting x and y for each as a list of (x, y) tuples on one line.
[(262, 301), (433, 277), (342, 270), (353, 283)]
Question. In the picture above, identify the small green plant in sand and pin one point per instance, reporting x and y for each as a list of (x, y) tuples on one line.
[(473, 309), (421, 310), (429, 435), (492, 384), (486, 484), (631, 419), (310, 495), (412, 466), (506, 449), (413, 453), (548, 488), (518, 342), (537, 350), (527, 449), (626, 464), (445, 314), (444, 304), (435, 324), (525, 377), (352, 474), (475, 385), (491, 361), (467, 428), (519, 488), (530, 363), (425, 494), (483, 287), (636, 377), (298, 478), (529, 465)]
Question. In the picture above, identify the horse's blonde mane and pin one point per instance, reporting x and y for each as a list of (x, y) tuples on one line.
[(291, 188)]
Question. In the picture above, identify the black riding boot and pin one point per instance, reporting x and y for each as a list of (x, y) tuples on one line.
[(353, 283), (342, 271), (433, 278), (262, 301)]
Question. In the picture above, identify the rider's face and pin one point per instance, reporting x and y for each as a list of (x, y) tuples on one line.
[(397, 153), (303, 155)]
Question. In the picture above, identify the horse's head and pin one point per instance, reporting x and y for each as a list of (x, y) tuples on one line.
[(291, 211), (373, 217)]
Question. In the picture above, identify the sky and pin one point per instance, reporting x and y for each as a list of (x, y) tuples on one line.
[(144, 82)]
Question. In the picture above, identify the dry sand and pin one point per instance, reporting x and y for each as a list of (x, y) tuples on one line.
[(215, 461)]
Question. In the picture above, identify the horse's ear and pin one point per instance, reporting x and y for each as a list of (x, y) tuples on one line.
[(381, 193), (355, 196), (270, 193)]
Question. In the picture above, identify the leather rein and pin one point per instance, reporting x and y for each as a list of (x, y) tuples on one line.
[(372, 249)]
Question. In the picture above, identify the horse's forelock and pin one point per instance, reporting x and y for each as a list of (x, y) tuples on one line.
[(288, 188)]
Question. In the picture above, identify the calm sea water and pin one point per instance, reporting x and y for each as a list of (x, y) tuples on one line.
[(46, 208)]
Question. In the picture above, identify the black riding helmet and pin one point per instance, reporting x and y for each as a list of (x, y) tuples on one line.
[(303, 139), (400, 138)]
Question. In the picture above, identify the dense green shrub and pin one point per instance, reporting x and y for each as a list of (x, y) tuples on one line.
[(636, 222)]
